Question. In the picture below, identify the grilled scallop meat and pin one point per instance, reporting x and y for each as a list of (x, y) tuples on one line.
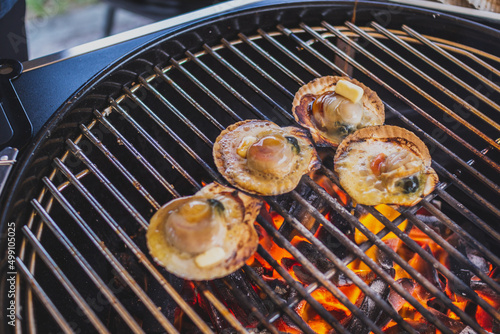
[(205, 236), (385, 165), (332, 107), (262, 158)]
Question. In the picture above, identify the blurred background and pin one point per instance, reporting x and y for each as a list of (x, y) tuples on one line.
[(55, 25)]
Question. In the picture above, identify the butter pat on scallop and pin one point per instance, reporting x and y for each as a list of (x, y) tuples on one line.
[(210, 257), (349, 90)]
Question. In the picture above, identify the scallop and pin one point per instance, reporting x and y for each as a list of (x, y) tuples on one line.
[(385, 165), (263, 158), (205, 236), (329, 116)]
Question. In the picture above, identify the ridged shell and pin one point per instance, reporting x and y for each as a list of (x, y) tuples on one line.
[(389, 134), (317, 87), (239, 244), (234, 169)]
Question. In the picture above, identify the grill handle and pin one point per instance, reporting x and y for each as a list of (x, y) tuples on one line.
[(15, 127)]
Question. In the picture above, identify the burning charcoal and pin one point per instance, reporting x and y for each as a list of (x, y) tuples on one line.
[(216, 318), (484, 289), (330, 241), (421, 327), (428, 271), (468, 330), (396, 300), (288, 263), (304, 276), (454, 325), (225, 290), (369, 307), (435, 224), (340, 279), (281, 288), (302, 214), (385, 262), (478, 260), (438, 305), (315, 256)]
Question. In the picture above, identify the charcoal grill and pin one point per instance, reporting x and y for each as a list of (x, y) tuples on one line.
[(141, 134)]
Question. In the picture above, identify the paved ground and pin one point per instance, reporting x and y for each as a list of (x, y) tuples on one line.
[(52, 34)]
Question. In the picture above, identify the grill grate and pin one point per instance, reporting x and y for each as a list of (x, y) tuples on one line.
[(154, 142)]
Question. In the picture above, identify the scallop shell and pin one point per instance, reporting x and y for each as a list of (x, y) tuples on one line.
[(317, 87), (239, 244), (235, 170), (362, 143)]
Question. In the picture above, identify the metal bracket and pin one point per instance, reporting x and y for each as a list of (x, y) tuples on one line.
[(7, 160), (15, 127)]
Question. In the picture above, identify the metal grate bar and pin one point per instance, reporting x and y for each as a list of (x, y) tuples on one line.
[(65, 282), (136, 154), (171, 133), (305, 294), (287, 32), (224, 313), (452, 58), (381, 245), (334, 290), (459, 256), (258, 69), (455, 228), (220, 307), (35, 286), (447, 73), (133, 247), (221, 81), (388, 307), (188, 98), (445, 109), (137, 185), (287, 52), (203, 87), (77, 152), (270, 58), (339, 264), (177, 113), (117, 266), (125, 315), (472, 295), (466, 189), (249, 83), (468, 214), (157, 146), (414, 107), (361, 255), (254, 312), (243, 78), (278, 301)]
